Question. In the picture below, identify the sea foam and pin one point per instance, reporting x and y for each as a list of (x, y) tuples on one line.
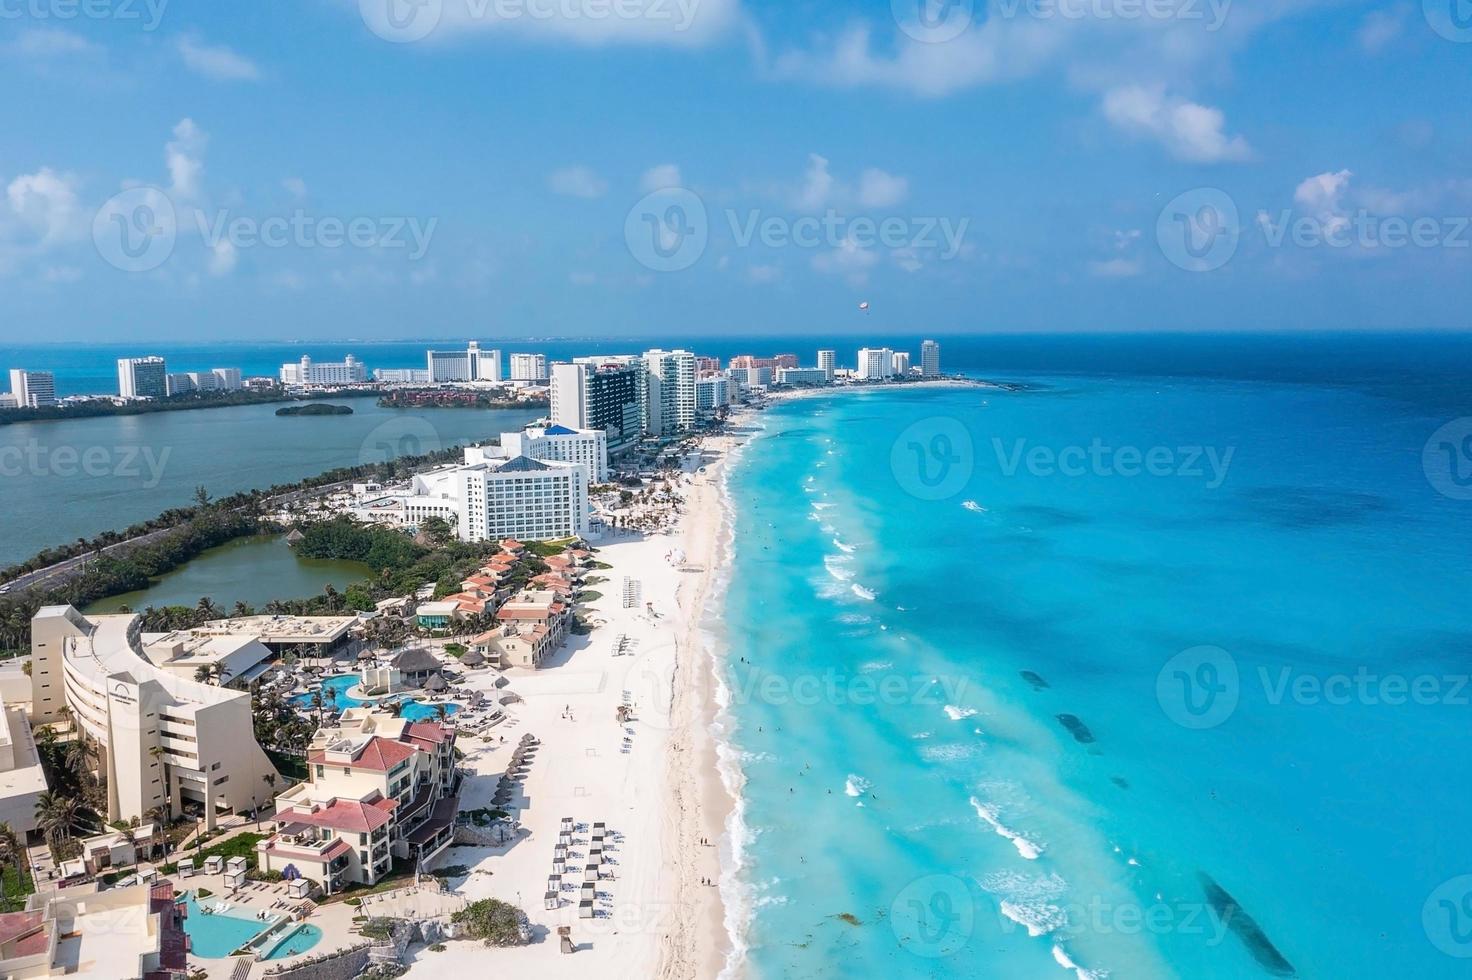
[(988, 813)]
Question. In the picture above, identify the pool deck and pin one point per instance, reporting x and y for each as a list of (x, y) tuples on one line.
[(334, 919)]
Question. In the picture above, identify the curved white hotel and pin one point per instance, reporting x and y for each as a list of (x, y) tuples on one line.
[(166, 740)]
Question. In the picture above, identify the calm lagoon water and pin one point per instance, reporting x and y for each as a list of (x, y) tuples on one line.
[(250, 570), (1000, 717), (63, 480)]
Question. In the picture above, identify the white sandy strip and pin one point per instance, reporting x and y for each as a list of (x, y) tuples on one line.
[(655, 917)]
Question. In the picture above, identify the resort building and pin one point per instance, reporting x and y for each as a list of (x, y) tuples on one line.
[(32, 389), (520, 497), (166, 742), (532, 626), (528, 367), (929, 359), (237, 651), (135, 932), (307, 372), (469, 365), (142, 377), (752, 378), (401, 376), (802, 376), (713, 393), (599, 394), (899, 364), (21, 779), (875, 364), (827, 363), (669, 392), (557, 444), (378, 788)]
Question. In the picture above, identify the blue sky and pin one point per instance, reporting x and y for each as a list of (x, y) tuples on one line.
[(188, 170)]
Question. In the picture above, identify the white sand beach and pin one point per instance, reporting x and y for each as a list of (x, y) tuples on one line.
[(653, 781)]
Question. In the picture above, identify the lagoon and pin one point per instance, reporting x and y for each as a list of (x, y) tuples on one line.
[(61, 481), (250, 570)]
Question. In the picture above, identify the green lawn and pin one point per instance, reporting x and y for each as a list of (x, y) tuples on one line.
[(16, 888), (241, 845)]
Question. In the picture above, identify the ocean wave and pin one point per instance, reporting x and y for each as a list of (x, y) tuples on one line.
[(1061, 957), (855, 785), (947, 753), (834, 565), (956, 714), (1038, 920), (973, 506), (862, 592), (875, 666), (847, 549), (988, 812)]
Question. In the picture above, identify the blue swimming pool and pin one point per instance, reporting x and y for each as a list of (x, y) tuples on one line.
[(335, 694), (215, 935), (296, 942)]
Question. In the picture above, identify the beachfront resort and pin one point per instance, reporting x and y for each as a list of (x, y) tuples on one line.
[(318, 796)]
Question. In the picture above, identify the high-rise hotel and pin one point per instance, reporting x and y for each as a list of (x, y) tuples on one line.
[(142, 377)]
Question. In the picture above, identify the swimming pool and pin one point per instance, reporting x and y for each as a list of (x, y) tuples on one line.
[(335, 693), (216, 935), (296, 942)]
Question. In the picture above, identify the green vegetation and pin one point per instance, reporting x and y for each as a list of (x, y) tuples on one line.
[(589, 596), (314, 408), (546, 549), (494, 922), (203, 893), (241, 845), (177, 403)]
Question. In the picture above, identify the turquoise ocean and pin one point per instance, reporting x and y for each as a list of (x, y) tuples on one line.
[(1008, 700)]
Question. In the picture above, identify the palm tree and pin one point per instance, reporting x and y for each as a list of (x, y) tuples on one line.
[(13, 852), (58, 816), (207, 608)]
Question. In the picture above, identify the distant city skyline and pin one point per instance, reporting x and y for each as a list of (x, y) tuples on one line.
[(761, 169)]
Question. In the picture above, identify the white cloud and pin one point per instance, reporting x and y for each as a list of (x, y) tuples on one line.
[(48, 43), (223, 257), (295, 186), (763, 274), (216, 61), (1116, 268), (849, 260), (1190, 131), (660, 177), (185, 157), (878, 189), (817, 185), (45, 203), (673, 23), (1378, 29), (577, 182)]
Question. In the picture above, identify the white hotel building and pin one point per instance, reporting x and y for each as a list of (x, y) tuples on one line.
[(487, 499), (528, 367), (556, 444), (349, 370), (165, 740), (464, 366)]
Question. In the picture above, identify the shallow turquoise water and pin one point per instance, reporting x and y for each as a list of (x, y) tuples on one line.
[(217, 935), (961, 684), (298, 941), (335, 692)]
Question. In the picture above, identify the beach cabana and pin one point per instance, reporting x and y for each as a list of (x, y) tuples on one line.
[(590, 891), (550, 901), (595, 855), (436, 683), (214, 864), (300, 888), (235, 864), (235, 880), (590, 872), (585, 910), (473, 659), (186, 868)]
